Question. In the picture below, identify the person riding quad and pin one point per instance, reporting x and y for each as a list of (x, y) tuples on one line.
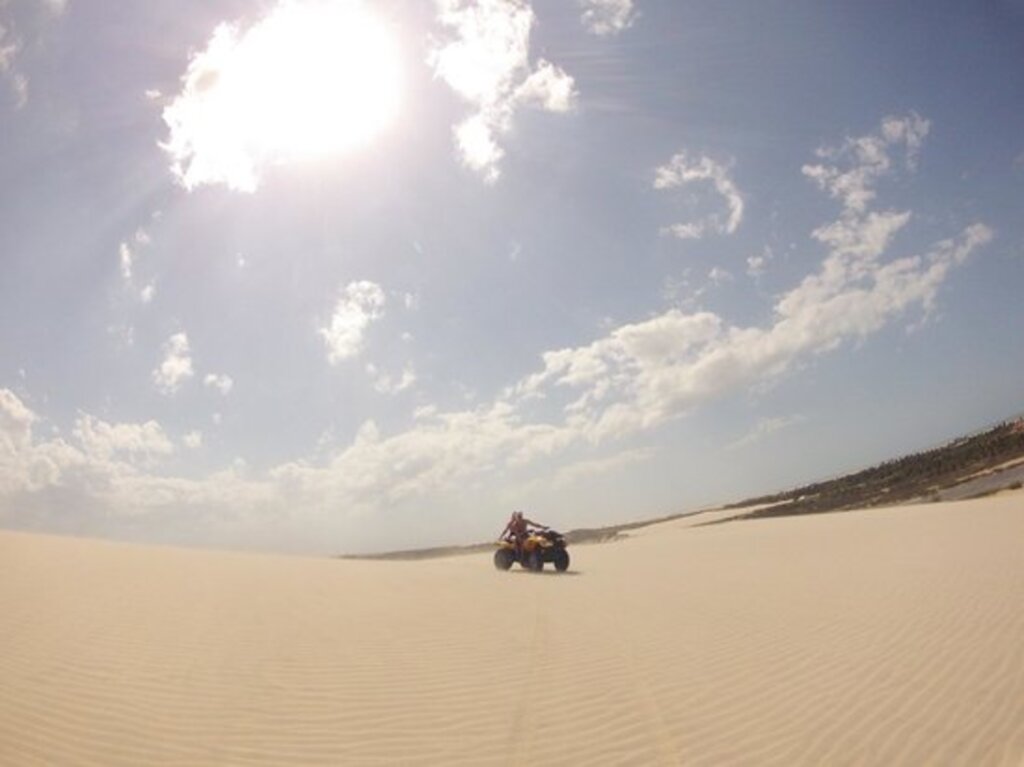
[(518, 529)]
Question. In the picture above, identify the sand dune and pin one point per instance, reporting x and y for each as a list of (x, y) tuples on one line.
[(891, 636)]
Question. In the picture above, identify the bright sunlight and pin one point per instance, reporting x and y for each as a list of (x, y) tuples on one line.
[(309, 80)]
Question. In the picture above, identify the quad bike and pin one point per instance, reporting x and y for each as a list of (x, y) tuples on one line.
[(540, 546)]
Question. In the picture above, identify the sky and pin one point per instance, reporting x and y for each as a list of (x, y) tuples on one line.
[(325, 276)]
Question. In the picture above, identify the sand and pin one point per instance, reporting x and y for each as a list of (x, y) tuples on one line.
[(891, 636)]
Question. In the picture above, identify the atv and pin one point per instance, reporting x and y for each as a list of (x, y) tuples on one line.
[(540, 546)]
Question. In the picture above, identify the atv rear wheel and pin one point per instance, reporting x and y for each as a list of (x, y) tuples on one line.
[(535, 561), (503, 558), (561, 560)]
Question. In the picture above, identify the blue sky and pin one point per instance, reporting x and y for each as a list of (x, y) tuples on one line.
[(325, 276)]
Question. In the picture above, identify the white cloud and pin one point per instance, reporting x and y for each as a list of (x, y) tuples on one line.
[(690, 231), (123, 334), (15, 40), (850, 171), (16, 421), (193, 440), (24, 465), (387, 384), (176, 367), (360, 304), (127, 260), (221, 382), (138, 441), (411, 301), (474, 137), (439, 452), (486, 60), (128, 255), (312, 77), (633, 378), (644, 374), (910, 131), (683, 170), (599, 467), (607, 17), (623, 388), (490, 50), (719, 276), (104, 451), (547, 87), (763, 428), (677, 289), (109, 471), (10, 46), (109, 474), (756, 265)]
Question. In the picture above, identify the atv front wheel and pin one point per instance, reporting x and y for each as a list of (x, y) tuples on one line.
[(561, 560), (503, 558)]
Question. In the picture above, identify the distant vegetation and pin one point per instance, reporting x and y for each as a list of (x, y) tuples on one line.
[(913, 477)]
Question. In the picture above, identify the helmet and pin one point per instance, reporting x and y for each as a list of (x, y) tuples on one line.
[(517, 515)]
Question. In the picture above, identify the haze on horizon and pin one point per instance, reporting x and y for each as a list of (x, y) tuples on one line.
[(341, 276)]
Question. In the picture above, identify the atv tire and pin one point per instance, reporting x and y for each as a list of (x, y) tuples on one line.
[(561, 560), (535, 562), (503, 559)]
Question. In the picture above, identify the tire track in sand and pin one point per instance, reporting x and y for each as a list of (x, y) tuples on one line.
[(520, 738)]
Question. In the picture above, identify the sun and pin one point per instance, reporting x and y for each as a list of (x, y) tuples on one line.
[(312, 78), (321, 77)]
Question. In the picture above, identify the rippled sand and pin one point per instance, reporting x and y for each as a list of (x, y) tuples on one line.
[(891, 636)]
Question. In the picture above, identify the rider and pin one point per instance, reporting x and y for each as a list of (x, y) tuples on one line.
[(518, 528)]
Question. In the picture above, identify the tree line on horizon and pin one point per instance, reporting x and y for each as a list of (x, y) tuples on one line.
[(916, 476)]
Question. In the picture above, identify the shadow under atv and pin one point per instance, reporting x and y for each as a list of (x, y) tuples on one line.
[(524, 571)]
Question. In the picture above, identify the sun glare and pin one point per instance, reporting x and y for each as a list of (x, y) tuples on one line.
[(311, 79), (320, 78)]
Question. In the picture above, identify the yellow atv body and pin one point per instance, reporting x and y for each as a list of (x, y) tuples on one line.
[(538, 548)]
